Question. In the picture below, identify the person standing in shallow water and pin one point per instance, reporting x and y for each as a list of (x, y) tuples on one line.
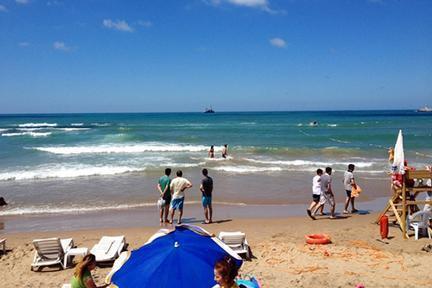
[(178, 186), (206, 190), (211, 152), (165, 193), (225, 151)]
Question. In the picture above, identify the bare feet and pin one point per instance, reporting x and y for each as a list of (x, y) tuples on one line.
[(310, 214)]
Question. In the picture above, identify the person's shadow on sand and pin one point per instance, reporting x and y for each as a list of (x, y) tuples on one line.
[(194, 221)]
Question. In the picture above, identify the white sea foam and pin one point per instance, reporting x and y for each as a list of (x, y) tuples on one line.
[(77, 124), (71, 171), (32, 134), (3, 130), (81, 210), (339, 141), (101, 124), (309, 163), (130, 148), (183, 165), (246, 169), (332, 125), (72, 129), (38, 125)]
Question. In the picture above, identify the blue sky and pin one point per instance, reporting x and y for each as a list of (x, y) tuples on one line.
[(172, 55)]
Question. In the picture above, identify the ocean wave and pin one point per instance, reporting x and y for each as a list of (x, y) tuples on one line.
[(3, 130), (339, 141), (32, 134), (131, 148), (38, 125), (332, 125), (309, 163), (81, 210), (71, 129), (101, 124), (57, 171), (77, 124), (31, 129), (183, 165), (246, 169)]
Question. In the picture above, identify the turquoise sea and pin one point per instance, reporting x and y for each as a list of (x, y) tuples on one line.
[(44, 159)]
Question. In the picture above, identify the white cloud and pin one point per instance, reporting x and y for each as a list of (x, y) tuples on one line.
[(119, 25), (249, 3), (23, 44), (3, 8), (258, 4), (146, 24), (61, 46), (22, 1), (278, 42)]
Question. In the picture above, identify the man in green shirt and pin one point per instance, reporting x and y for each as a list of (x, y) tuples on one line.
[(165, 194)]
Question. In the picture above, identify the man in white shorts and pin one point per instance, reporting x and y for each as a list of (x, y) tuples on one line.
[(327, 193)]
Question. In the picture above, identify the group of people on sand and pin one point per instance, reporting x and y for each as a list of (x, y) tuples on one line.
[(224, 153), (225, 272), (172, 195), (322, 192)]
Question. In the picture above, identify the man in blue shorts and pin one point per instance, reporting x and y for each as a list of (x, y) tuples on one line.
[(178, 186), (207, 189)]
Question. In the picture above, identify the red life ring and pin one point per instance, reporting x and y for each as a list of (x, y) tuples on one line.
[(317, 239)]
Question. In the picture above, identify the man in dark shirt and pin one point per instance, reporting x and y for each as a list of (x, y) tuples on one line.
[(207, 189)]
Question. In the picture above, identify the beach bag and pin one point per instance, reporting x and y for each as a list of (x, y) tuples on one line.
[(160, 203)]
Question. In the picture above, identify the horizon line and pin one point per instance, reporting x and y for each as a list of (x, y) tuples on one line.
[(201, 112)]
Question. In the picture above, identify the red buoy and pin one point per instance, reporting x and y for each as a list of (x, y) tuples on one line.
[(317, 239), (384, 227)]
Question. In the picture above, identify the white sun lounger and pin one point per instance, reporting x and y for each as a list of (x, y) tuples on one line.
[(236, 241), (108, 248), (51, 251)]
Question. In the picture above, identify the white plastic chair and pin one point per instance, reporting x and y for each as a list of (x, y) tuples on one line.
[(236, 241), (51, 251), (420, 220), (108, 248)]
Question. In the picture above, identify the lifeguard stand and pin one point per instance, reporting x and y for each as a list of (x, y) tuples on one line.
[(405, 197)]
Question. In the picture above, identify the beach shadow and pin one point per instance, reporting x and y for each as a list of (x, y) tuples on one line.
[(337, 217), (363, 212), (190, 220), (222, 221)]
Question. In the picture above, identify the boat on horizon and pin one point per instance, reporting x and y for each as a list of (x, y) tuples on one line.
[(425, 109), (209, 110)]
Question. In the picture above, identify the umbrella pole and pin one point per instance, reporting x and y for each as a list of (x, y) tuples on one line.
[(404, 209)]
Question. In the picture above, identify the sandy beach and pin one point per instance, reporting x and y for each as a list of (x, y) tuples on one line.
[(281, 256)]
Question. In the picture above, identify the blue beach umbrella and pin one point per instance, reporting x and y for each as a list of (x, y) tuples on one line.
[(184, 257)]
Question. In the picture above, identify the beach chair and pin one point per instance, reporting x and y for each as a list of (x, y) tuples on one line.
[(51, 251), (420, 220), (236, 241), (108, 248), (3, 245)]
